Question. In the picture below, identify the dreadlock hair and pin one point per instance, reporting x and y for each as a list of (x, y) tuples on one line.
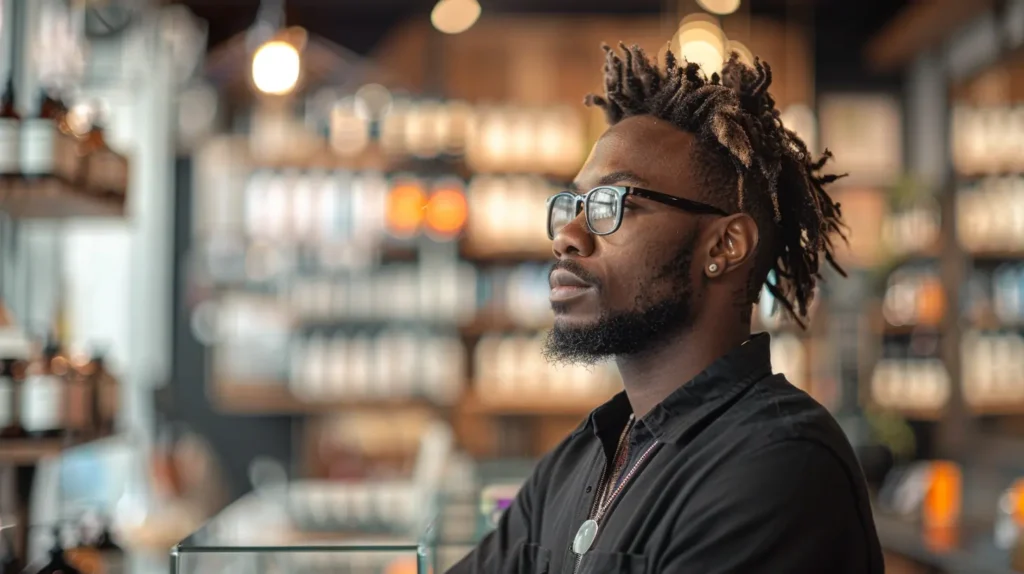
[(741, 145)]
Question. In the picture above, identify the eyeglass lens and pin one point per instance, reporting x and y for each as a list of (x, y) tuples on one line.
[(602, 211)]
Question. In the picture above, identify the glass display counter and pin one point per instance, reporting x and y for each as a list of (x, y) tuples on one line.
[(355, 558), (267, 532), (209, 551)]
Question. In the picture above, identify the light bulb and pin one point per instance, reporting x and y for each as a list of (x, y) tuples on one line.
[(720, 7), (455, 16), (704, 53), (703, 42), (275, 68)]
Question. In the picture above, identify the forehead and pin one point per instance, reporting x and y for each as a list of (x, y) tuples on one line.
[(653, 149)]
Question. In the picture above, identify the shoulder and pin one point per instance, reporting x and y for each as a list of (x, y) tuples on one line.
[(775, 411), (785, 469), (779, 432)]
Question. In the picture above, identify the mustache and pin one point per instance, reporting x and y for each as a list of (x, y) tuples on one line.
[(576, 269)]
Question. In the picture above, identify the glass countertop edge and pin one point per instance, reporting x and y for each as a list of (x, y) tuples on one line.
[(179, 549)]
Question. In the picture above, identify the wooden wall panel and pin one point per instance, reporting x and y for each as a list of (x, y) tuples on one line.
[(546, 60)]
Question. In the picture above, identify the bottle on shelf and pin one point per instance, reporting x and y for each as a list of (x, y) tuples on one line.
[(42, 397), (105, 394), (111, 554), (82, 554), (96, 552), (80, 399), (14, 351), (9, 562), (10, 391), (10, 133), (58, 563), (106, 171), (39, 138), (67, 160)]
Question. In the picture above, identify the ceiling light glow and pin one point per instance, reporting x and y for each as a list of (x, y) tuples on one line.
[(275, 68), (701, 41), (720, 7), (455, 16)]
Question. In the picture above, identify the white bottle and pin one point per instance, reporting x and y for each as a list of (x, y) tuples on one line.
[(256, 204), (42, 397), (384, 366), (304, 208), (359, 375), (336, 360), (38, 144), (7, 394), (406, 357), (313, 374), (10, 135)]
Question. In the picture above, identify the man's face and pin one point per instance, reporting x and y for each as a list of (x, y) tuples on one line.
[(628, 292)]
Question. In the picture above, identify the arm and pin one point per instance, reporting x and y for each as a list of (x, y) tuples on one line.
[(499, 551), (789, 507)]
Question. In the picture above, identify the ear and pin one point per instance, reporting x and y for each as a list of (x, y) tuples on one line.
[(733, 243)]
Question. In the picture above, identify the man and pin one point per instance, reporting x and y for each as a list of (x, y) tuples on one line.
[(707, 463)]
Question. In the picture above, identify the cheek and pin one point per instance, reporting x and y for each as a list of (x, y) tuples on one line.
[(639, 272)]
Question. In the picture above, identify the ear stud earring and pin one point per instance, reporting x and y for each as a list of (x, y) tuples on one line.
[(713, 268)]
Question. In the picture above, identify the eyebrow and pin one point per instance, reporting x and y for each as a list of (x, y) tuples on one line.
[(615, 177)]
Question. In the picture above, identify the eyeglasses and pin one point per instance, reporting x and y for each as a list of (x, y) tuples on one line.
[(604, 206)]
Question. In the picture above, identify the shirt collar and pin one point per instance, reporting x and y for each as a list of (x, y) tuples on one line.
[(703, 396)]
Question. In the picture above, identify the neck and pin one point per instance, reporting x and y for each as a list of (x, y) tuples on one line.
[(649, 378)]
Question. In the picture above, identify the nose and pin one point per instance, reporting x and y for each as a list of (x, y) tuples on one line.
[(574, 239)]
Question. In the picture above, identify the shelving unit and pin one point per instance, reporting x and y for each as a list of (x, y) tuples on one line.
[(22, 200), (979, 428)]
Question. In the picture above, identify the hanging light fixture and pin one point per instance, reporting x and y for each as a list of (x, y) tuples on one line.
[(455, 16), (277, 59), (275, 68)]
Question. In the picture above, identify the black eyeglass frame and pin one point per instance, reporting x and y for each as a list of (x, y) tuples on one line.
[(622, 191)]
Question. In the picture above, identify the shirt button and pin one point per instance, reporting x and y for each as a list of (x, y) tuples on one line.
[(589, 488)]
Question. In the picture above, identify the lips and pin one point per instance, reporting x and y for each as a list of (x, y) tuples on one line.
[(563, 278), (566, 286)]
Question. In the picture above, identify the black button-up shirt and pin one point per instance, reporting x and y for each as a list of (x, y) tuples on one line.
[(751, 475)]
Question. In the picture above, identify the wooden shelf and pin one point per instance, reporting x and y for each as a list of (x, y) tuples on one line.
[(274, 398), (51, 199), (517, 405), (28, 451), (1008, 408), (996, 254)]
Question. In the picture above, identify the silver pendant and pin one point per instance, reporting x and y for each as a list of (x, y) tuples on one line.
[(585, 537)]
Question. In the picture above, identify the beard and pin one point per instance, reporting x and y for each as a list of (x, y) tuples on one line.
[(650, 324)]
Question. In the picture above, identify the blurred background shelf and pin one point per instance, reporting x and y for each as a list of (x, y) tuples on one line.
[(531, 405), (51, 199), (29, 451), (274, 398)]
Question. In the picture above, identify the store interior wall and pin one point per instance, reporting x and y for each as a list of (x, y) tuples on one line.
[(237, 440)]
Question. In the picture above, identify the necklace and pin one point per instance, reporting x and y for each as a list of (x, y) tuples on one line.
[(607, 492)]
